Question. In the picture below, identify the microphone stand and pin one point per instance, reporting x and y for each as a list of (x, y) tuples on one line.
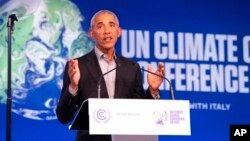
[(12, 18), (99, 82), (102, 76), (170, 85)]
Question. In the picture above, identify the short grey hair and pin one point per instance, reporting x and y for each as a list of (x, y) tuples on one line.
[(100, 12)]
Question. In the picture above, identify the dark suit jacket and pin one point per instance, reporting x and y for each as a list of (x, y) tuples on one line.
[(128, 85)]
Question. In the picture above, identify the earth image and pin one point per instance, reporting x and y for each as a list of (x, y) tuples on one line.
[(46, 35)]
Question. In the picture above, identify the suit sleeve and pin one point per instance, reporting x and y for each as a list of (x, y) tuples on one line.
[(67, 105), (139, 88)]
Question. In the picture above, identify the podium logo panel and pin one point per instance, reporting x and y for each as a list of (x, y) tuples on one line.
[(166, 117), (160, 117), (102, 115)]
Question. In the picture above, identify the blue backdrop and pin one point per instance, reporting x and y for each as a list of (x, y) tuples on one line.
[(205, 46)]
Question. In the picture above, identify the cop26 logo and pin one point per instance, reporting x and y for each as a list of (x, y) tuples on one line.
[(102, 115)]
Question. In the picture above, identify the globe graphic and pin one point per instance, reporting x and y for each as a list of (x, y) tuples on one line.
[(46, 35)]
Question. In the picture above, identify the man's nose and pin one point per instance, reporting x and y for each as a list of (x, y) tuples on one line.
[(106, 30)]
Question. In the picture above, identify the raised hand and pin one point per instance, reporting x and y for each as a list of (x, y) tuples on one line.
[(74, 73), (155, 81)]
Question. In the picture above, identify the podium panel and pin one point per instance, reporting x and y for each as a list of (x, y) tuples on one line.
[(139, 117)]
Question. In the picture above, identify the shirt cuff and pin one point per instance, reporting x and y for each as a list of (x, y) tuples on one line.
[(72, 91)]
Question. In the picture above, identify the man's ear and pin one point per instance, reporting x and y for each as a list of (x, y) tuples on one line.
[(119, 32), (91, 34)]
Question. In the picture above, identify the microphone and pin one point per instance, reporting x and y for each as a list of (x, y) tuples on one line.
[(102, 76), (11, 21), (170, 85)]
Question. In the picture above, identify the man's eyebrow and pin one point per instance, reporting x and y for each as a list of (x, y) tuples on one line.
[(110, 22), (113, 23), (99, 23)]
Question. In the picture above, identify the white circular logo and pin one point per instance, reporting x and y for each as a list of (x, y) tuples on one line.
[(102, 115)]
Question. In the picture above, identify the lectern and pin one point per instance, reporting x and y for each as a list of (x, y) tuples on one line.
[(133, 117)]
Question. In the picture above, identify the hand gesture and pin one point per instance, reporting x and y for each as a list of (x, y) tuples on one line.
[(74, 73), (155, 81)]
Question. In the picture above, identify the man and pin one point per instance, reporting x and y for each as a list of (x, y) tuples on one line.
[(82, 74)]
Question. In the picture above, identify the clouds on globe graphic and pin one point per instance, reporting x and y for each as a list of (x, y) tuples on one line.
[(47, 34)]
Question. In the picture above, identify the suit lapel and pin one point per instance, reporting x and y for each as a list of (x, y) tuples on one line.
[(118, 77), (95, 71)]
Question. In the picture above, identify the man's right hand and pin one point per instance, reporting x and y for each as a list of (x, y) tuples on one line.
[(74, 74)]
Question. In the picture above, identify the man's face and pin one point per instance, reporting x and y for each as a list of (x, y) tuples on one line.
[(105, 31)]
